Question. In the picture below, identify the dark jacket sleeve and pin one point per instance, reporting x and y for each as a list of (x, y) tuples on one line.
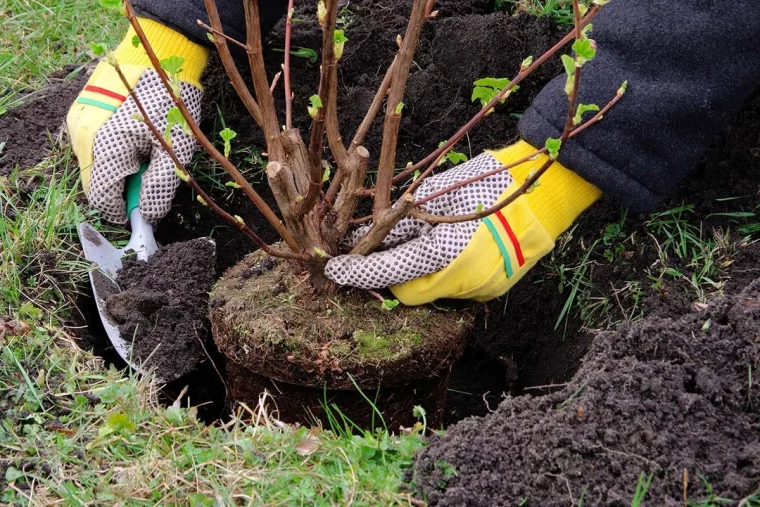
[(183, 16), (690, 65)]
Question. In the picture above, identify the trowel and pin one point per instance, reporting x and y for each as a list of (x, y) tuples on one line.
[(107, 258)]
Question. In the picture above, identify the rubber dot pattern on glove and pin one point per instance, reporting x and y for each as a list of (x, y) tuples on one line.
[(123, 143), (433, 248)]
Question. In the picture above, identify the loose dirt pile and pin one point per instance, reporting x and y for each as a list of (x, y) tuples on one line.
[(661, 397), (163, 305)]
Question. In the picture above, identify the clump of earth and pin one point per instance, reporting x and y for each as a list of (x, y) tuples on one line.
[(665, 396), (162, 306)]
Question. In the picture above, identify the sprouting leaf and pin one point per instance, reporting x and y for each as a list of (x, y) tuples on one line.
[(585, 50), (339, 38), (569, 85), (117, 422), (210, 37), (418, 411), (569, 65), (526, 63), (488, 88), (553, 146), (232, 184), (321, 12), (399, 108), (321, 253), (623, 88), (239, 220), (389, 304), (173, 118), (136, 41), (327, 170), (227, 136), (97, 49), (137, 117), (181, 174), (452, 156), (201, 200), (316, 105), (582, 109), (173, 65), (416, 175), (306, 53), (479, 207)]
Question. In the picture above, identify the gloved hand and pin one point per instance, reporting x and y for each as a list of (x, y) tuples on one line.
[(110, 143), (481, 259)]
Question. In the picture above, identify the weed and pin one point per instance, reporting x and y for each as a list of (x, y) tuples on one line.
[(641, 489), (560, 10)]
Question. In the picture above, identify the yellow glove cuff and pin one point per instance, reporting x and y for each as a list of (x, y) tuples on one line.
[(165, 42), (560, 196)]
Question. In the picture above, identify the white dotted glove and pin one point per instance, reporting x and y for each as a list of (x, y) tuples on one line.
[(124, 142), (416, 248)]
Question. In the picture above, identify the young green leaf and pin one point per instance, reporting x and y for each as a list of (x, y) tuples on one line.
[(582, 109), (452, 156), (389, 304), (488, 88), (201, 200), (316, 105), (174, 117), (553, 146), (585, 50), (623, 88), (232, 184), (479, 207), (526, 63), (306, 53), (173, 65), (327, 170), (97, 49), (339, 38), (321, 12), (136, 41), (227, 136), (399, 108), (181, 174), (569, 65)]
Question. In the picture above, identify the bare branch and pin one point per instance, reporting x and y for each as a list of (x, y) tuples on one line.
[(384, 222), (327, 116), (286, 67), (204, 141), (374, 108), (345, 205), (220, 40), (187, 177), (387, 162), (269, 124), (221, 34)]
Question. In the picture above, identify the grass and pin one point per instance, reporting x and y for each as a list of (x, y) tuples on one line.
[(38, 37), (560, 10)]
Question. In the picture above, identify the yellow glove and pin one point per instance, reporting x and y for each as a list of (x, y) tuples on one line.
[(478, 260), (110, 143)]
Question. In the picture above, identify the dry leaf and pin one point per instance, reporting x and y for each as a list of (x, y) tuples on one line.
[(310, 444)]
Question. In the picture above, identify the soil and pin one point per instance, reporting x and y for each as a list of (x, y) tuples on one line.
[(27, 128), (162, 305), (666, 395), (274, 330)]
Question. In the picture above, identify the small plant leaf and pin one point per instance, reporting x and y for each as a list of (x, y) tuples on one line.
[(582, 109), (569, 65), (111, 4), (585, 50), (232, 184), (98, 49), (182, 175), (201, 200), (136, 41), (174, 117), (526, 63), (553, 146), (418, 411), (399, 108), (306, 53), (227, 136), (389, 304), (173, 65)]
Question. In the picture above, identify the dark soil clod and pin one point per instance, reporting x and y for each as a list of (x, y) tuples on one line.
[(162, 306)]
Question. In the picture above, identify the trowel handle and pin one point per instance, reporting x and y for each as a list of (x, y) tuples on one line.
[(133, 185)]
